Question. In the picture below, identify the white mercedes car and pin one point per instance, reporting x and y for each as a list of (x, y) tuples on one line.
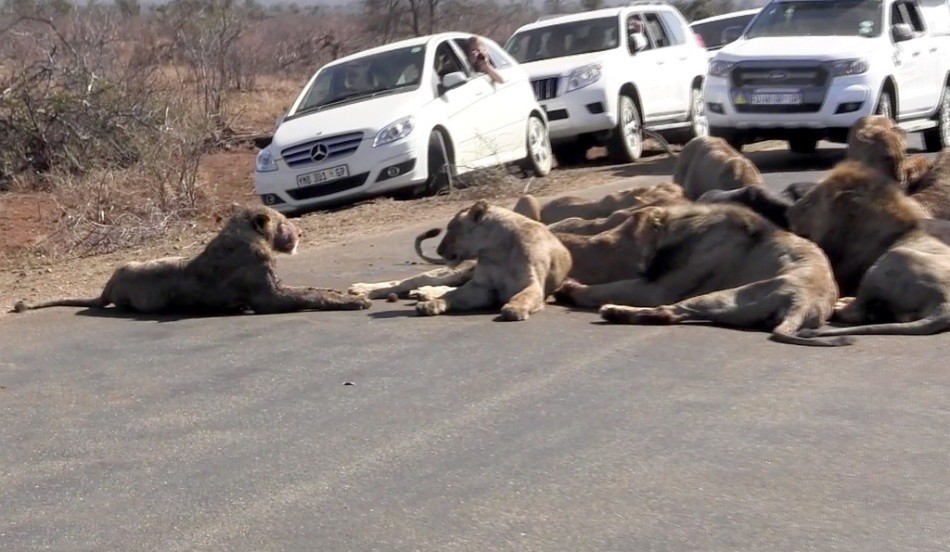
[(410, 115)]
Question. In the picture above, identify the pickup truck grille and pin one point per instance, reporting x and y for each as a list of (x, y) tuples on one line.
[(545, 89), (332, 147), (793, 75)]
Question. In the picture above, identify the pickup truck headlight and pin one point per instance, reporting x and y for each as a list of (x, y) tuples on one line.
[(720, 68), (394, 131), (845, 67), (266, 161), (583, 76)]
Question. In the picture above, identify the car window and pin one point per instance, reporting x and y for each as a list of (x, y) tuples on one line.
[(565, 39), (809, 18), (447, 61), (714, 32), (674, 28), (907, 12), (391, 71), (498, 59), (656, 31), (635, 24)]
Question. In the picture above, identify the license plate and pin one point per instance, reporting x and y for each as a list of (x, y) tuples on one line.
[(325, 175), (787, 98)]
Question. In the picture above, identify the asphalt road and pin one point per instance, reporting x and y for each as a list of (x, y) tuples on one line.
[(460, 433)]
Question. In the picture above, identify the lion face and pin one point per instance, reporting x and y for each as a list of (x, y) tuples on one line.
[(878, 142), (460, 242), (276, 230)]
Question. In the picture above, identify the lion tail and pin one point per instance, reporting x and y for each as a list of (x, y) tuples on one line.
[(788, 331), (936, 322), (96, 302), (431, 233)]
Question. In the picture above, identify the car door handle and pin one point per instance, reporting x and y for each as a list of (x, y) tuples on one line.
[(933, 50), (660, 62), (917, 53), (684, 58)]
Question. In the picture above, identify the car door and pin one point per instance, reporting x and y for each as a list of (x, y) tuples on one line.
[(911, 61), (461, 105), (680, 74), (503, 114), (650, 70)]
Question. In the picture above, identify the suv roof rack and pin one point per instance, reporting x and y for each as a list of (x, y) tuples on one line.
[(648, 2)]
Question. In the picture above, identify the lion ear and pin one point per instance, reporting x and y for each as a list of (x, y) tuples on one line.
[(478, 210)]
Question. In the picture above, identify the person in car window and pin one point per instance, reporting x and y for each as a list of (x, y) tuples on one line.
[(478, 58)]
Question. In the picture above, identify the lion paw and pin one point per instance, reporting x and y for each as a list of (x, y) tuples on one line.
[(617, 314), (513, 314), (566, 291), (429, 293), (431, 308)]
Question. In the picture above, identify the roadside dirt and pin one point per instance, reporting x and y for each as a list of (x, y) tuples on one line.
[(27, 217)]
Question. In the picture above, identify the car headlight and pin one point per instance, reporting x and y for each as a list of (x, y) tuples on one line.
[(720, 68), (845, 67), (583, 76), (266, 161), (394, 131)]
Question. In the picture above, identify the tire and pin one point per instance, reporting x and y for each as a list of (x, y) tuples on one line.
[(538, 144), (803, 145), (698, 123), (626, 143), (937, 139), (440, 177), (885, 105)]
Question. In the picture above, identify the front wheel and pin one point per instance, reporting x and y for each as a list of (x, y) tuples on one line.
[(938, 138), (885, 105), (698, 122), (538, 143), (626, 144), (439, 177)]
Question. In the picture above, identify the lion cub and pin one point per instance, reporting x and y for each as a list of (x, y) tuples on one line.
[(520, 262)]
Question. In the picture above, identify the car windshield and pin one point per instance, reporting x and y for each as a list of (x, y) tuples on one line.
[(566, 39), (715, 33), (364, 77), (832, 18)]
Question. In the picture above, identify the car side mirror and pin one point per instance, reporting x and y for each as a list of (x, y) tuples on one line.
[(638, 41), (901, 32), (731, 34), (453, 79)]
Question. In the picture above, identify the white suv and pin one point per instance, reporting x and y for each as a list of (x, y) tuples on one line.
[(806, 70), (407, 115), (602, 75)]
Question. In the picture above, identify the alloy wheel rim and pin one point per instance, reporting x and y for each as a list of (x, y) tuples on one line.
[(945, 119), (700, 122), (540, 147), (631, 128)]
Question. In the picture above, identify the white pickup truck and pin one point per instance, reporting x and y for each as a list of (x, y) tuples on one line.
[(806, 70)]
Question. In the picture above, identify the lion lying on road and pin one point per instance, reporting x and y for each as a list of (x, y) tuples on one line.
[(710, 163), (565, 207), (235, 272), (717, 263), (872, 233), (519, 263)]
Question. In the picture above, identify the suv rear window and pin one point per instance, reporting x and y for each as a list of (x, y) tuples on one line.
[(565, 39)]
